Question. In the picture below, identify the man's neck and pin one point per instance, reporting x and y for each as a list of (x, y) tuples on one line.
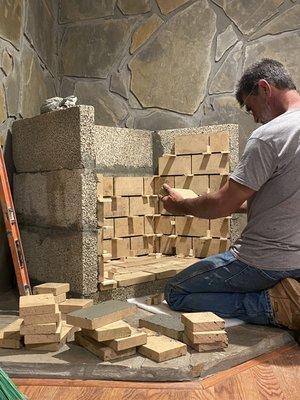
[(288, 100)]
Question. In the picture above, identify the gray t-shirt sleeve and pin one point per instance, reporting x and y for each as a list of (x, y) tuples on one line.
[(257, 164)]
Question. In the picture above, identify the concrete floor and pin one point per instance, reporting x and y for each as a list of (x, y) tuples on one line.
[(74, 362)]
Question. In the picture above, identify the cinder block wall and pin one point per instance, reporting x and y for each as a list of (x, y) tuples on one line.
[(57, 158)]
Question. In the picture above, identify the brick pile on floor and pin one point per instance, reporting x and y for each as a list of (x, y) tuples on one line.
[(40, 326), (103, 331), (105, 334)]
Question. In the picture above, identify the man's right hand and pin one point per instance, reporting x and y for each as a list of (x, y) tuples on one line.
[(173, 202)]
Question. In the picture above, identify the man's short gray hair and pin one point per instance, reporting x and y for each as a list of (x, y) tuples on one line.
[(270, 70)]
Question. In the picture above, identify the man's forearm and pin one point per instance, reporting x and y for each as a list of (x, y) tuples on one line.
[(206, 206)]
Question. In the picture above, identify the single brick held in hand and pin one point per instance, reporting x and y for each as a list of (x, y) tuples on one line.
[(202, 321), (101, 314)]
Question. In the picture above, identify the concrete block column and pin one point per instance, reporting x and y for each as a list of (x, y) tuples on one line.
[(55, 196)]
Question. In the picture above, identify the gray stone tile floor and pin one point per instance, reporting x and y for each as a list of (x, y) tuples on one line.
[(74, 362)]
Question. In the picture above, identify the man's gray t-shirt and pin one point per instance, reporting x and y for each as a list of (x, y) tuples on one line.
[(270, 165)]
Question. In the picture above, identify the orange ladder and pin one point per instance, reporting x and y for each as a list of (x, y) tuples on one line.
[(12, 231)]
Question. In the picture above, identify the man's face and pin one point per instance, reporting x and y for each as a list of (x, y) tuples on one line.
[(257, 105)]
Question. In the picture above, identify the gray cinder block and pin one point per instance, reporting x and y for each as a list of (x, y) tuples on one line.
[(61, 255), (56, 140), (63, 198)]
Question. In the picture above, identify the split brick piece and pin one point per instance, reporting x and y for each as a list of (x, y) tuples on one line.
[(112, 207), (191, 226), (219, 141), (135, 339), (164, 224), (43, 318), (116, 330), (207, 337), (163, 324), (36, 304), (204, 247), (220, 227), (105, 186), (71, 305), (108, 284), (60, 298), (10, 337), (38, 329), (174, 165), (139, 205), (210, 164), (216, 182), (47, 338), (101, 314), (204, 347), (67, 332), (133, 278), (105, 353), (183, 245), (142, 245), (128, 186), (162, 348), (133, 226), (202, 321), (51, 287), (191, 144), (116, 247)]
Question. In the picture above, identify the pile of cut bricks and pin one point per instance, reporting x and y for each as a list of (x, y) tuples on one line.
[(102, 330), (132, 221), (42, 325), (105, 334)]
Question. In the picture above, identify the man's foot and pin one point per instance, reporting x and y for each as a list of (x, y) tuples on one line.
[(285, 300)]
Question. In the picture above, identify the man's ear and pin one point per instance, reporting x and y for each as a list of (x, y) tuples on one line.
[(264, 87)]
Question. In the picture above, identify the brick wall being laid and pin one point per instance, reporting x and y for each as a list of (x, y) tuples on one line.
[(87, 202), (131, 218)]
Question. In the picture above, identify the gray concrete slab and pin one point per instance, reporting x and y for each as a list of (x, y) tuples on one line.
[(74, 362)]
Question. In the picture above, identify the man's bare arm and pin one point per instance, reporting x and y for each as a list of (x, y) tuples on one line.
[(230, 198), (242, 209)]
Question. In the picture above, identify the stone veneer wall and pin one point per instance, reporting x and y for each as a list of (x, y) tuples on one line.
[(162, 64), (28, 75)]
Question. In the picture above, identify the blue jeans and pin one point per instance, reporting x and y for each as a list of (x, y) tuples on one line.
[(226, 286)]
